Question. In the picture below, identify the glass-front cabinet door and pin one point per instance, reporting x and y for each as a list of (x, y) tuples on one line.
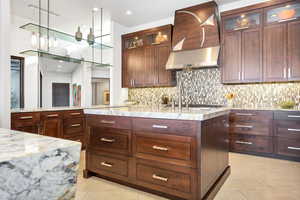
[(243, 21), (283, 13)]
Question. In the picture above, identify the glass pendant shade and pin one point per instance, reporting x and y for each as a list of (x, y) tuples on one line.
[(91, 37), (34, 40), (78, 34)]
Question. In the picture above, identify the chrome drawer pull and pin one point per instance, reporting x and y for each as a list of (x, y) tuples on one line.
[(294, 148), (241, 142), (160, 148), (28, 117), (107, 122), (76, 125), (245, 114), (242, 126), (159, 126), (75, 114), (294, 130), (156, 177), (106, 164), (285, 20), (293, 116), (54, 115), (107, 140)]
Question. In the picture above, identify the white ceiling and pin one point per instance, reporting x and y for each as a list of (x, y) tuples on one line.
[(78, 12)]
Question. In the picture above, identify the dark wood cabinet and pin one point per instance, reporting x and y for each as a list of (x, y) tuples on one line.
[(242, 48), (174, 158), (67, 124), (261, 43), (144, 56), (275, 65), (294, 50)]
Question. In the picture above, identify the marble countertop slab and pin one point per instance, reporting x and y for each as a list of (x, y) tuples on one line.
[(34, 167), (16, 144), (22, 110), (198, 114)]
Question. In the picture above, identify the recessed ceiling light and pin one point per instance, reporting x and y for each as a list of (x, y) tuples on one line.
[(128, 12), (95, 9)]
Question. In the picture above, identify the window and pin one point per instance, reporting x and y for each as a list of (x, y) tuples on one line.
[(17, 82)]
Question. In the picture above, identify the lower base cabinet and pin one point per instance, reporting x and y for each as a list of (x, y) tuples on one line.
[(187, 162)]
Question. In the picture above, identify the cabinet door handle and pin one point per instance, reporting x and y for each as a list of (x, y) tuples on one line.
[(294, 148), (241, 28), (244, 114), (160, 148), (293, 116), (284, 73), (75, 125), (242, 142), (107, 122), (105, 164), (75, 114), (243, 126), (107, 140), (27, 117), (160, 178), (289, 73), (159, 126), (239, 76), (285, 20), (54, 115), (294, 130)]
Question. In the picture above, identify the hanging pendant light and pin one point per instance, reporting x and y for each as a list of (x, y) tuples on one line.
[(91, 37), (34, 40), (78, 34)]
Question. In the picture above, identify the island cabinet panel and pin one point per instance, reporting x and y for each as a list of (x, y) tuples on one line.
[(52, 124), (158, 155)]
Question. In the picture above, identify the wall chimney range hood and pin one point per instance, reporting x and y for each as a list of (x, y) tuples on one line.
[(196, 37)]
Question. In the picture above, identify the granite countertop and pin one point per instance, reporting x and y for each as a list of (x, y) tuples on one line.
[(16, 144), (198, 114)]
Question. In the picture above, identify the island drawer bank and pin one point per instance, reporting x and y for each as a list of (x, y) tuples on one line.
[(266, 132), (179, 159), (67, 124)]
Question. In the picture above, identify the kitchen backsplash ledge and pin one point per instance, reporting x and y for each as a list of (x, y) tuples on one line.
[(204, 87)]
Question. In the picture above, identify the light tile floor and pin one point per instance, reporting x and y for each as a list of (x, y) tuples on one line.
[(252, 178)]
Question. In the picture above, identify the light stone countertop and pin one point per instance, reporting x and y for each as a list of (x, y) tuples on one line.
[(198, 114), (35, 167)]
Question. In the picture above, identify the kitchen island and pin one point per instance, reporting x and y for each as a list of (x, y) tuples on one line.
[(176, 154), (35, 167)]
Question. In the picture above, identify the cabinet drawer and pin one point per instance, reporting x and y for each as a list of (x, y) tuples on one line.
[(98, 163), (73, 126), (69, 114), (179, 127), (111, 140), (287, 129), (164, 146), (78, 138), (163, 177), (251, 143), (288, 147), (287, 115), (25, 119), (109, 121), (52, 115), (251, 116), (250, 128)]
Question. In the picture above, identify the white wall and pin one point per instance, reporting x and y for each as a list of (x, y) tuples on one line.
[(4, 64), (118, 95), (101, 73), (239, 4)]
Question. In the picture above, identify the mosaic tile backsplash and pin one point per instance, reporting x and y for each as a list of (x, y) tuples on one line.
[(204, 87)]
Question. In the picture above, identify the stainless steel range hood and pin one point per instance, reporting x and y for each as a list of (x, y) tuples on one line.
[(197, 58)]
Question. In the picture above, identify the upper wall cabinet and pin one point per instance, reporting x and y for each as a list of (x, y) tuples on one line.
[(262, 45), (282, 43), (242, 48), (144, 56)]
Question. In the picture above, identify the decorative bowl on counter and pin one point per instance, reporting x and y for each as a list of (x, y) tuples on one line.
[(287, 104)]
